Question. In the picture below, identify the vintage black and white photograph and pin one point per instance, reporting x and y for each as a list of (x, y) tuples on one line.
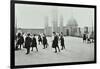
[(47, 34)]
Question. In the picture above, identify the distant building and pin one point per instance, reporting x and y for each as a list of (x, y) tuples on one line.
[(86, 30), (79, 32), (31, 31), (71, 27), (46, 29), (55, 20), (61, 25)]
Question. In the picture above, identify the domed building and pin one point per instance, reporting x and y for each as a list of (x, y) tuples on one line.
[(71, 27)]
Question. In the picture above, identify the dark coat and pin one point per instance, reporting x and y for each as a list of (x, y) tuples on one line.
[(19, 40), (84, 36), (62, 41), (28, 42), (44, 40), (39, 38), (34, 43), (55, 42), (22, 39)]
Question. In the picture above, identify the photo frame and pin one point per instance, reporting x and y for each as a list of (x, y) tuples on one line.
[(49, 5)]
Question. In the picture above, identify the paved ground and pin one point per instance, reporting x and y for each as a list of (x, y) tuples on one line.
[(75, 51)]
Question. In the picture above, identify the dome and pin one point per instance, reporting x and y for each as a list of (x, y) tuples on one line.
[(72, 22)]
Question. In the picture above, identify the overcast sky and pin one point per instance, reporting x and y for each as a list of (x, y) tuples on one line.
[(33, 16)]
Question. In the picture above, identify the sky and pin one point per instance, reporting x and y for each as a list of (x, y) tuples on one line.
[(34, 16)]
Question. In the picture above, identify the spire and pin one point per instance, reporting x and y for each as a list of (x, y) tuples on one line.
[(46, 25), (61, 20), (15, 22), (55, 19), (61, 23), (46, 21)]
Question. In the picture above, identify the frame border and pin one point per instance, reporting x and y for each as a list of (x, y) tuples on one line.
[(12, 28)]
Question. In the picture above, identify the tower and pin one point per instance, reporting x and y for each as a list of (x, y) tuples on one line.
[(61, 24), (54, 20), (46, 26), (16, 25)]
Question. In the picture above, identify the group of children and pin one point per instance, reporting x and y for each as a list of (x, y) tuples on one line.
[(87, 38), (30, 41)]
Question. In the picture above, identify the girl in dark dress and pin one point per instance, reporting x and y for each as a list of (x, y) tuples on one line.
[(28, 43), (18, 43), (22, 40), (55, 42), (45, 41), (39, 39), (62, 41), (84, 38), (34, 43)]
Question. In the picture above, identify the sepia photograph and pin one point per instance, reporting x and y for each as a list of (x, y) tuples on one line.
[(51, 34)]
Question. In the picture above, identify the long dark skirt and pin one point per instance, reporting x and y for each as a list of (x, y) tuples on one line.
[(54, 44), (34, 45)]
